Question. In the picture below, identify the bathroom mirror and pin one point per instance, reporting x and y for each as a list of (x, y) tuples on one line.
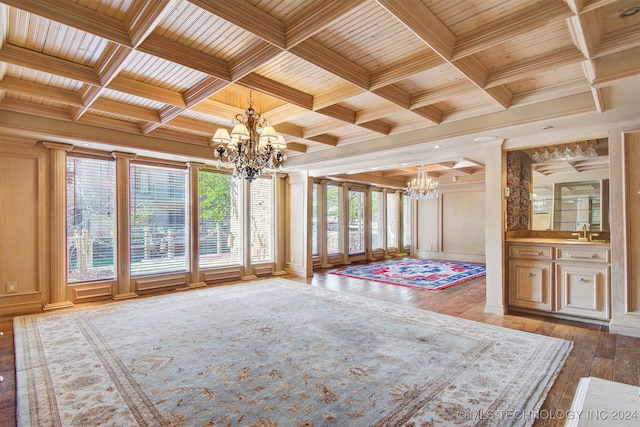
[(569, 194)]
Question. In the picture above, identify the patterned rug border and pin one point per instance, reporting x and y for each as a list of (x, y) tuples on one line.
[(340, 272), (556, 349)]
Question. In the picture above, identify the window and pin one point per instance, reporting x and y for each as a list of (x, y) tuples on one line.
[(333, 219), (261, 220), (356, 222), (158, 220), (220, 217), (91, 191), (377, 219), (392, 220), (315, 251), (406, 217)]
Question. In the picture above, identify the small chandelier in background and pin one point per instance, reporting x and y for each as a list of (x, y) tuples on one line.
[(565, 154), (422, 187), (252, 148)]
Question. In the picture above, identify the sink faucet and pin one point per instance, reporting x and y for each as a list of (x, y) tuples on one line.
[(584, 231)]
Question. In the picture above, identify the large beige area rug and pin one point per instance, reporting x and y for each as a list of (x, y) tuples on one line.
[(276, 353)]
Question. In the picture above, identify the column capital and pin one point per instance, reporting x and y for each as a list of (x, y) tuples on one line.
[(58, 146), (123, 155), (196, 165)]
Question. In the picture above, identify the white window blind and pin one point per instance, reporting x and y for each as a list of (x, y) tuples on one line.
[(333, 219), (262, 220), (392, 220), (406, 217), (158, 220), (356, 222), (315, 251), (377, 219), (91, 191), (220, 235)]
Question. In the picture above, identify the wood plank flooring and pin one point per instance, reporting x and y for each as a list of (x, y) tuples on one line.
[(596, 352)]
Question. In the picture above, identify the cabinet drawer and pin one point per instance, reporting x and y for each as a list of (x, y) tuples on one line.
[(588, 254), (583, 290), (530, 251), (530, 284)]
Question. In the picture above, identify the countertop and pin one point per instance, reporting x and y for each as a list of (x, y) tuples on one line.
[(554, 241)]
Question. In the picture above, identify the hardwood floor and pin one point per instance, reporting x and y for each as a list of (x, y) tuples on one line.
[(595, 353)]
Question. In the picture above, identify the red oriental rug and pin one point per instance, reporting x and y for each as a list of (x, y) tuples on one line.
[(415, 273)]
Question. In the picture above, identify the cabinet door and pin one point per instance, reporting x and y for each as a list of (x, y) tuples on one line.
[(583, 290), (530, 284)]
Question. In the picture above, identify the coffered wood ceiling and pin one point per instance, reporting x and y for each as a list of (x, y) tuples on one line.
[(336, 77)]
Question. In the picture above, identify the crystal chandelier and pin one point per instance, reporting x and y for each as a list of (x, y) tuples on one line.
[(252, 148), (422, 187), (565, 154)]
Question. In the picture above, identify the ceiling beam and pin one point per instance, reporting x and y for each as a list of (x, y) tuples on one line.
[(77, 16), (245, 15)]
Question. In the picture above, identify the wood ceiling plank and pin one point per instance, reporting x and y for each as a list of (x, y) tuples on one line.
[(76, 16), (37, 90), (180, 54), (338, 112), (258, 54), (245, 15), (325, 139), (111, 62), (587, 31), (296, 146), (377, 126), (501, 95), (441, 93), (125, 110), (289, 129), (619, 41), (315, 53), (315, 18), (192, 125), (429, 112), (508, 27), (277, 90), (39, 61), (394, 94), (336, 95), (146, 90), (203, 90), (405, 68), (144, 16), (423, 23), (534, 65)]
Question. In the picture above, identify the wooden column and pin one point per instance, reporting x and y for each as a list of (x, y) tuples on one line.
[(280, 225), (246, 237), (194, 225), (401, 225), (385, 218), (322, 225), (123, 226), (58, 225), (343, 223)]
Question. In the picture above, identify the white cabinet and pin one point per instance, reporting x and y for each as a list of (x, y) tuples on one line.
[(571, 280), (582, 290), (530, 284)]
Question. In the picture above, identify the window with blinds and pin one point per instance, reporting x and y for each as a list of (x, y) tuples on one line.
[(377, 219), (220, 217), (315, 251), (262, 220), (392, 220), (158, 219), (406, 218), (333, 219), (91, 192), (356, 222)]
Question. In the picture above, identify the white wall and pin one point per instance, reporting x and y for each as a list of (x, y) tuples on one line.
[(451, 227)]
